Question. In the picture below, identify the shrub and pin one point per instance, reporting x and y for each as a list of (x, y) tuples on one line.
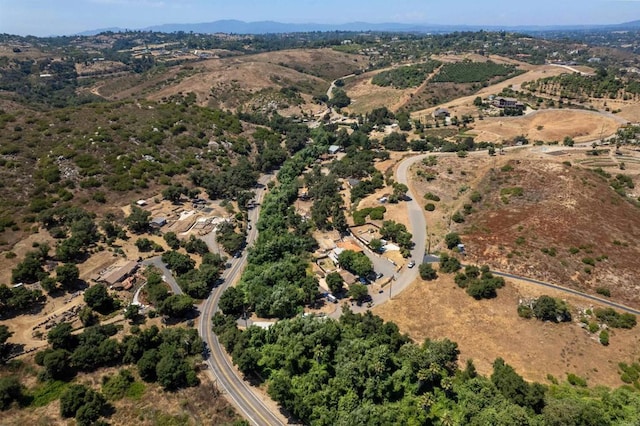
[(452, 239), (427, 272), (614, 319), (549, 251), (431, 197), (475, 197), (604, 337), (430, 207), (448, 264), (525, 311), (604, 291), (589, 261), (576, 380), (457, 217)]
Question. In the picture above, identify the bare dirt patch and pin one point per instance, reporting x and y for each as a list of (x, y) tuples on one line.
[(547, 126), (487, 329)]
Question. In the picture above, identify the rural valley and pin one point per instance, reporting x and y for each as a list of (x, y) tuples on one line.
[(327, 228)]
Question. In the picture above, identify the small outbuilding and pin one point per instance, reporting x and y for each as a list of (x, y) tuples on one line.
[(158, 222), (441, 113)]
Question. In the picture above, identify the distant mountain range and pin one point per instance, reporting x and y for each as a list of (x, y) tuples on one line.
[(271, 27)]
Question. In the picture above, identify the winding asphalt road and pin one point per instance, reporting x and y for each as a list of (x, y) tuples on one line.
[(226, 377), (252, 406)]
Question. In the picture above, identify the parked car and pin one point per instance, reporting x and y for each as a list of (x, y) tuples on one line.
[(379, 275), (411, 264)]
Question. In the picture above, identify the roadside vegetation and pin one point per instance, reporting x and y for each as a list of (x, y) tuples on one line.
[(362, 370)]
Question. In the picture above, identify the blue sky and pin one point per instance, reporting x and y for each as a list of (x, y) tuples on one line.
[(53, 17)]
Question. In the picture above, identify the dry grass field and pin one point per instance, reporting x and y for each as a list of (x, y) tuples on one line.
[(487, 329), (547, 126)]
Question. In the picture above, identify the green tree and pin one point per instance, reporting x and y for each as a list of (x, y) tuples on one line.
[(49, 284), (452, 240), (147, 365), (10, 391), (173, 193), (61, 337), (178, 262), (138, 220), (547, 308), (87, 317), (176, 306), (196, 245), (376, 245), (427, 272), (5, 333), (358, 292), (355, 262), (67, 275), (335, 282), (172, 240), (339, 99), (97, 297), (174, 372), (57, 365), (232, 302), (144, 244), (132, 312), (29, 270), (83, 403), (449, 264)]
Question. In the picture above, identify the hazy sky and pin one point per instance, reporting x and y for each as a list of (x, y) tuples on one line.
[(53, 17)]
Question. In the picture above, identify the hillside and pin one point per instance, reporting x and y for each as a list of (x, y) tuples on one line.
[(251, 81), (568, 227)]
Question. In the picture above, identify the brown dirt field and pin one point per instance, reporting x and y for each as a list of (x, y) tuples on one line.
[(547, 126), (487, 329)]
